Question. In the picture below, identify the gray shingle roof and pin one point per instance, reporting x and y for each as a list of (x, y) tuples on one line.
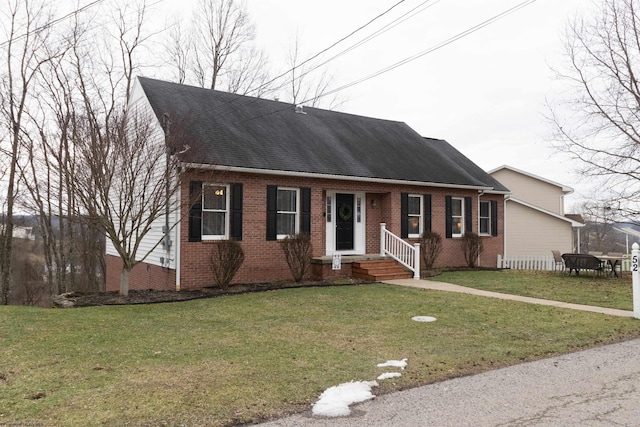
[(239, 131)]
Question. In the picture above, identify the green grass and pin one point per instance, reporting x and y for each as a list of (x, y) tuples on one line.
[(583, 289), (245, 358)]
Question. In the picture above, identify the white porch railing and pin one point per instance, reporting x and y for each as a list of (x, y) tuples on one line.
[(540, 263), (403, 252)]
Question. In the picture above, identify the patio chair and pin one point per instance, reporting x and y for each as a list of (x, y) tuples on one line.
[(558, 262)]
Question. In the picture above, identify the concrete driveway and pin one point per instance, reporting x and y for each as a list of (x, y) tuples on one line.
[(596, 387)]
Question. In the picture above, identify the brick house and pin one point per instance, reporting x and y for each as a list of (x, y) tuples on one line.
[(257, 170)]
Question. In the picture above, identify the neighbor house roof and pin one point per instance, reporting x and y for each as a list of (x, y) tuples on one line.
[(235, 131), (565, 189), (575, 223)]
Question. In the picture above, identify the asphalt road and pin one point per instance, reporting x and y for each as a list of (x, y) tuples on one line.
[(597, 387)]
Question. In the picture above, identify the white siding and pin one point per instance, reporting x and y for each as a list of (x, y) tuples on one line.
[(536, 192), (535, 233), (157, 255)]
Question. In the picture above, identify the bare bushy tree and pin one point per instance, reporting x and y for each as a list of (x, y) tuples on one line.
[(471, 246), (216, 49), (308, 80), (598, 123), (298, 252), (26, 49), (225, 260)]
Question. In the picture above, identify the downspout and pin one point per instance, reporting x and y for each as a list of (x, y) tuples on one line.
[(178, 223), (504, 226), (167, 236), (480, 194)]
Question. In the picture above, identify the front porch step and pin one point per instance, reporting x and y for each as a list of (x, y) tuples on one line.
[(380, 270)]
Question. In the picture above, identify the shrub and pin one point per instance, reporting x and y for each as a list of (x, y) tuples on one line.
[(430, 248), (226, 258), (472, 247), (297, 250)]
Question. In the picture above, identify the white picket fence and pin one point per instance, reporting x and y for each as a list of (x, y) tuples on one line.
[(539, 263)]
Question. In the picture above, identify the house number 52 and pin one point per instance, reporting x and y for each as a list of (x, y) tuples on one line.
[(634, 263)]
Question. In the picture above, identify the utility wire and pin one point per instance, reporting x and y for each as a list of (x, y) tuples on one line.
[(53, 22), (330, 47), (263, 85), (413, 57), (429, 50), (408, 15)]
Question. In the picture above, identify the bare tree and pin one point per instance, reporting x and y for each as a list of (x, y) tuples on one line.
[(216, 49), (599, 122), (127, 183), (26, 49), (307, 81)]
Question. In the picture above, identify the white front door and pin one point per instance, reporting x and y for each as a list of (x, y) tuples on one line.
[(345, 221)]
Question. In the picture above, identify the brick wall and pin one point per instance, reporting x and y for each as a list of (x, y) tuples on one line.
[(143, 276), (264, 260)]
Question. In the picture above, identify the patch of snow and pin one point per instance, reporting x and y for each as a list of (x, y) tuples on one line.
[(335, 401), (395, 363), (423, 319), (388, 375)]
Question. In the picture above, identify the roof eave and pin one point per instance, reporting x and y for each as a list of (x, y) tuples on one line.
[(189, 165)]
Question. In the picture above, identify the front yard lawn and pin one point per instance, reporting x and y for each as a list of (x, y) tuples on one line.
[(584, 289), (245, 358)]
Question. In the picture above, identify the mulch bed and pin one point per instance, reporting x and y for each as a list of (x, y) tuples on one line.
[(155, 296)]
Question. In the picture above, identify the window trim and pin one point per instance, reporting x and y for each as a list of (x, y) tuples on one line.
[(227, 212), (488, 218), (297, 212), (420, 215), (462, 216)]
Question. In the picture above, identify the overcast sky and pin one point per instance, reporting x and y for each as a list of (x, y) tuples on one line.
[(484, 93)]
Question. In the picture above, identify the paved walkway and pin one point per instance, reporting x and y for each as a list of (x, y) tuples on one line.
[(448, 287)]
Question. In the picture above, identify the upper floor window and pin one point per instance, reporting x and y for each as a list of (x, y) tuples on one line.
[(215, 211)]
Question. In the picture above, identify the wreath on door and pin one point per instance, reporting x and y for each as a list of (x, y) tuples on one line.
[(345, 212)]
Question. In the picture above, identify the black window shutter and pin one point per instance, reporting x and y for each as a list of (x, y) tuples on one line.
[(494, 218), (236, 211), (195, 211), (448, 217), (468, 217), (426, 200), (272, 212), (305, 208), (404, 215)]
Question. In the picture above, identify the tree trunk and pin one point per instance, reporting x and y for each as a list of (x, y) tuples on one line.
[(124, 281)]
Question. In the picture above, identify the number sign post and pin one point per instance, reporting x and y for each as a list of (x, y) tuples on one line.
[(635, 275)]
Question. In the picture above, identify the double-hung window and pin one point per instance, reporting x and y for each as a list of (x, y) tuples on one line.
[(215, 211), (287, 212), (457, 217), (485, 218), (414, 212)]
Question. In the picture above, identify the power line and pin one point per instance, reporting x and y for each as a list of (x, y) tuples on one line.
[(429, 50), (53, 22), (409, 59), (263, 85), (331, 46)]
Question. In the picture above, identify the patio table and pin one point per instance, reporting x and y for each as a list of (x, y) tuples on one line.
[(612, 262)]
